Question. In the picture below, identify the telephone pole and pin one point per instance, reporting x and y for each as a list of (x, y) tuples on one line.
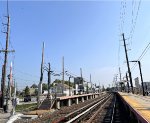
[(6, 51), (49, 80), (120, 73), (127, 82), (130, 76), (2, 86), (91, 84), (81, 77), (63, 72), (120, 79), (141, 76), (41, 78), (81, 72)]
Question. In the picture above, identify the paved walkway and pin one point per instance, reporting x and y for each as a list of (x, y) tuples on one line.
[(139, 103), (4, 117), (7, 118)]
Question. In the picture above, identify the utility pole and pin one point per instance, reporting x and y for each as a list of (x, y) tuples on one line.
[(63, 72), (87, 88), (14, 99), (6, 51), (99, 87), (116, 77), (120, 78), (8, 95), (81, 75), (41, 78), (140, 76), (10, 80), (81, 72), (130, 76), (127, 82), (2, 85), (49, 79), (91, 84), (69, 86), (82, 81), (120, 73)]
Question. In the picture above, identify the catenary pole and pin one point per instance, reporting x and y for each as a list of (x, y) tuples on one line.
[(128, 66)]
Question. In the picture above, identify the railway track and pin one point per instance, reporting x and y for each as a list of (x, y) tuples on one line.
[(80, 114), (67, 115), (60, 115), (112, 111), (104, 109)]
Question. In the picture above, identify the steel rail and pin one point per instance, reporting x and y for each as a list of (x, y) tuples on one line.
[(88, 110), (84, 107), (96, 113), (113, 113), (67, 117)]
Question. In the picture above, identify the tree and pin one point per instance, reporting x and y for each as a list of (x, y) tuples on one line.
[(36, 92), (18, 93), (55, 82), (65, 82), (27, 91), (44, 86)]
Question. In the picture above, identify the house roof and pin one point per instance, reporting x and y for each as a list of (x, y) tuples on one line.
[(34, 86), (65, 86)]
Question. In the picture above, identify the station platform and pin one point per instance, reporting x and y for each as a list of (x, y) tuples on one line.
[(77, 96), (139, 104), (68, 100)]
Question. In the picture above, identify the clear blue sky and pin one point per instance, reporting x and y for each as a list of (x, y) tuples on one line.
[(85, 33)]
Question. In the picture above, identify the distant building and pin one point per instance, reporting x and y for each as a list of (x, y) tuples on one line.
[(34, 86), (137, 85), (58, 89), (146, 86)]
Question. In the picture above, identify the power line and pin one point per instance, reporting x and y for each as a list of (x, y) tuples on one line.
[(25, 73), (134, 21), (122, 15), (141, 56)]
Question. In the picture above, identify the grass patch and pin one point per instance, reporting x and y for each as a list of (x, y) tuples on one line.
[(25, 107)]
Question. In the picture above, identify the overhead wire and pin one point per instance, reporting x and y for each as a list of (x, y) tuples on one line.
[(123, 7), (141, 56), (122, 15), (134, 19)]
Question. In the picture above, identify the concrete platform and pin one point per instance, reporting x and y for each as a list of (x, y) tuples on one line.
[(68, 100), (76, 96), (139, 104)]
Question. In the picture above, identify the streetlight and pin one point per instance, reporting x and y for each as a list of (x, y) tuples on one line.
[(140, 75)]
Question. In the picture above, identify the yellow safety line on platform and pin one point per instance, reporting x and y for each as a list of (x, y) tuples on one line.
[(143, 110)]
